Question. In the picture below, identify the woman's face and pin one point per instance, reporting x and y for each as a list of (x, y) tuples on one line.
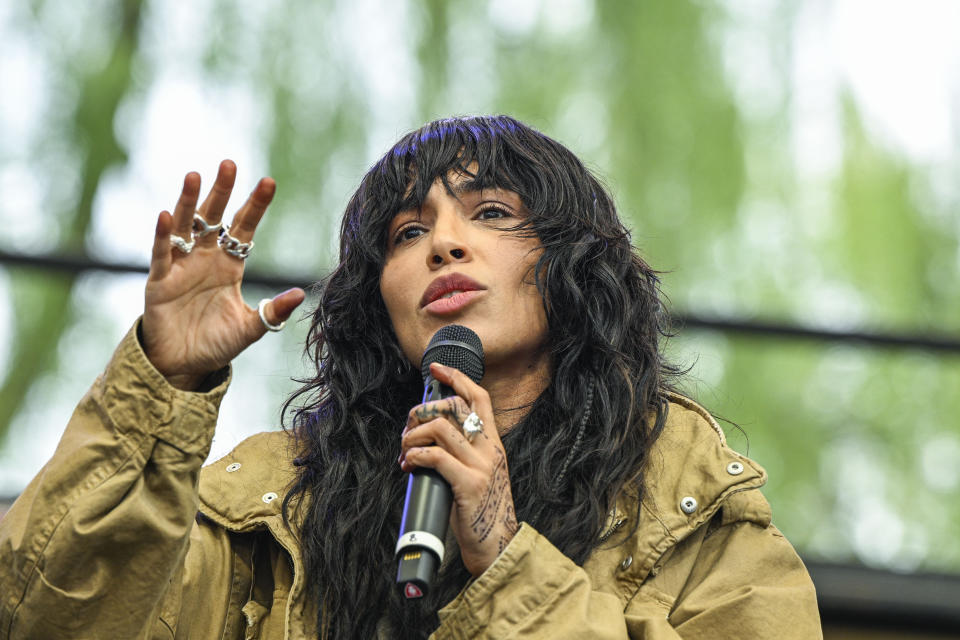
[(451, 262)]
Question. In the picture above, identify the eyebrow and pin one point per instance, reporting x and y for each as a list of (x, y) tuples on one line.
[(471, 186), (456, 189), (461, 187)]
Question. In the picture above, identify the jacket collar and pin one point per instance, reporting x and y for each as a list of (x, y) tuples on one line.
[(244, 490), (690, 474)]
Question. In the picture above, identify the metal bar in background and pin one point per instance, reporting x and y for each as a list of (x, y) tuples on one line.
[(860, 597), (74, 264), (751, 328), (772, 330)]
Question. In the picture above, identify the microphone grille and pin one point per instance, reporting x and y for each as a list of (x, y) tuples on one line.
[(455, 346)]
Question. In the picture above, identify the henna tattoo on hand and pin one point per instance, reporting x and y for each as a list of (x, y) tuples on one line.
[(510, 524), (510, 520), (485, 516), (454, 407)]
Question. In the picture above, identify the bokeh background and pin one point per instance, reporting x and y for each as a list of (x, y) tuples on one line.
[(785, 164)]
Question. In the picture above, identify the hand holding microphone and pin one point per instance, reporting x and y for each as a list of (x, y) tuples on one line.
[(452, 467)]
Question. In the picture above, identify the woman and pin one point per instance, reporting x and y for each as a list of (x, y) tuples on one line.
[(597, 503)]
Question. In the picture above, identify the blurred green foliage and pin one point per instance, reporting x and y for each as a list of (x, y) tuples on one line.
[(857, 440)]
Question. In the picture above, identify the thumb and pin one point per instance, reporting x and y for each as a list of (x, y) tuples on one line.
[(279, 309)]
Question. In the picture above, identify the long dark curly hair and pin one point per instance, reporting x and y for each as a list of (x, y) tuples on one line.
[(582, 442)]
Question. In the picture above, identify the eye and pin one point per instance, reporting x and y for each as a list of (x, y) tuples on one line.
[(406, 233), (493, 213)]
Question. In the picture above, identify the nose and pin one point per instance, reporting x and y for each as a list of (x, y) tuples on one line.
[(449, 240)]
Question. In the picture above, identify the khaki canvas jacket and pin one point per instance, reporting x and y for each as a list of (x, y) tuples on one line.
[(123, 535)]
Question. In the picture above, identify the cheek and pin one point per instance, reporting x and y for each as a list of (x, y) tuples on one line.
[(520, 261), (528, 297), (391, 287), (394, 289), (390, 292), (385, 289)]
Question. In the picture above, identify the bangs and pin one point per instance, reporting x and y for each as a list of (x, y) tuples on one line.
[(559, 193), (481, 149)]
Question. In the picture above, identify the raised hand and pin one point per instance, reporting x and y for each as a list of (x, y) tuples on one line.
[(482, 517), (195, 320)]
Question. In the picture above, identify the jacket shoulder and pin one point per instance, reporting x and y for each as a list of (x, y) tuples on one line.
[(692, 481), (684, 410), (691, 473), (247, 485)]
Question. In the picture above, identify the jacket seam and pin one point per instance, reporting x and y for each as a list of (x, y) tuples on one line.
[(691, 405)]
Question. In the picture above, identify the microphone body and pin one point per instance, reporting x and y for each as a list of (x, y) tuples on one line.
[(426, 508)]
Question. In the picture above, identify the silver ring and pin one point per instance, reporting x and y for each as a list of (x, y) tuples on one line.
[(186, 246), (202, 228), (233, 246), (472, 426), (263, 317)]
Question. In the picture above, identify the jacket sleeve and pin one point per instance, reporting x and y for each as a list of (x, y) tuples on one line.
[(90, 547), (743, 581), (532, 591)]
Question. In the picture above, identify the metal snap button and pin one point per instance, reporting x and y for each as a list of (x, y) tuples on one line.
[(625, 563), (269, 497), (233, 467), (735, 468), (688, 504)]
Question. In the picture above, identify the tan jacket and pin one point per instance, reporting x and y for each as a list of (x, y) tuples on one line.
[(113, 539)]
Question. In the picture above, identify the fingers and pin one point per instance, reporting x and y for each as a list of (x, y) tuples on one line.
[(435, 458), (160, 259), (216, 201), (454, 408), (186, 205), (440, 435), (181, 224), (437, 422), (277, 310), (244, 223), (438, 425), (247, 219), (475, 395), (283, 305)]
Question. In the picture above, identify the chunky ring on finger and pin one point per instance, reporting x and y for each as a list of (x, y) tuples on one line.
[(202, 228), (472, 426), (263, 317), (186, 246), (233, 246)]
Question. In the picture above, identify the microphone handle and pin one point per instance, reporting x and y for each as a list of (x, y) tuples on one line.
[(426, 517)]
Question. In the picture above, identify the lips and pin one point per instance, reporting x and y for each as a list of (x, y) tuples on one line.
[(450, 292)]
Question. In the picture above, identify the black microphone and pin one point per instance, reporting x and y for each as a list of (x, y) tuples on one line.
[(426, 509)]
